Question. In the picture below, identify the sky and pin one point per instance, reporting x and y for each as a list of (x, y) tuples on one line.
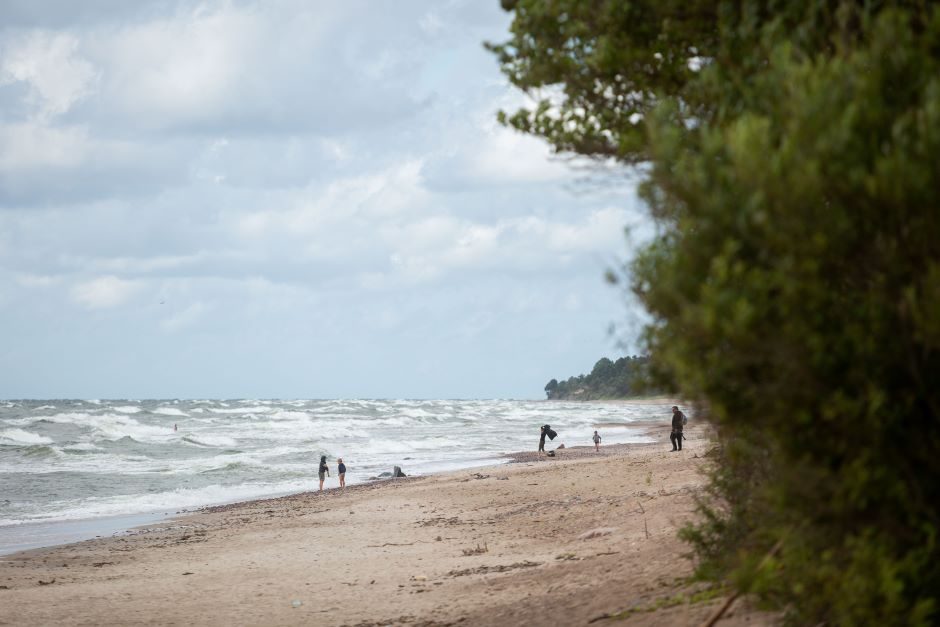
[(290, 199)]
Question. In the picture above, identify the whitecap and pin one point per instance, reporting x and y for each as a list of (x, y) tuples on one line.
[(81, 446), (21, 437), (242, 410), (73, 417), (211, 440), (115, 426), (170, 411), (285, 414)]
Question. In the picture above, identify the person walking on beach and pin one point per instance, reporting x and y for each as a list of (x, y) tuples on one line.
[(597, 442), (678, 421), (324, 471), (341, 471)]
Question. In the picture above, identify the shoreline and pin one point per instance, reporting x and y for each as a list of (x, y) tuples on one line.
[(563, 540), (47, 534), (39, 535)]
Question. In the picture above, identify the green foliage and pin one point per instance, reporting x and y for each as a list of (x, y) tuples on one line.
[(624, 378), (792, 153)]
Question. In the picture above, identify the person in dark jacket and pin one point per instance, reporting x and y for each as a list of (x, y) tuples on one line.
[(324, 471), (678, 421), (546, 431)]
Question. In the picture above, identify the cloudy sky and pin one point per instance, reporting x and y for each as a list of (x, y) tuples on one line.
[(287, 199)]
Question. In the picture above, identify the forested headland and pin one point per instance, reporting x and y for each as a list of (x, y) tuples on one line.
[(625, 378)]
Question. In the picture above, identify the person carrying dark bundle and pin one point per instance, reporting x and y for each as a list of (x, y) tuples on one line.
[(546, 430)]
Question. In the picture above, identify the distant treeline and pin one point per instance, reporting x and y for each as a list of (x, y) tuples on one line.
[(624, 378)]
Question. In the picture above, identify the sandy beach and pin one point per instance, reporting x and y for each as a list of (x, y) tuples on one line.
[(584, 538)]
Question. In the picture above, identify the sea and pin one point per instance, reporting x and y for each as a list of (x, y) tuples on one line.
[(112, 461)]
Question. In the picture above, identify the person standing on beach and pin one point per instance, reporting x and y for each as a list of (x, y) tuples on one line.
[(341, 471), (324, 471), (550, 433), (678, 421), (597, 442)]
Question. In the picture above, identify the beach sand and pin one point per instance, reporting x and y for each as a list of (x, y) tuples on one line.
[(560, 541)]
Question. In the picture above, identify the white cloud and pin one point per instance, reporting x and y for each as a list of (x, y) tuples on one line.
[(104, 292), (503, 155), (136, 265), (602, 231), (186, 66), (48, 62), (442, 243), (38, 280), (185, 318), (30, 145), (345, 202), (431, 23)]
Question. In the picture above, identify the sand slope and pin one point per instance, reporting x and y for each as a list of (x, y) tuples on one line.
[(497, 546)]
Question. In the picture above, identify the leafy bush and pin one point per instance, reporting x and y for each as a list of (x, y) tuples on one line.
[(793, 152)]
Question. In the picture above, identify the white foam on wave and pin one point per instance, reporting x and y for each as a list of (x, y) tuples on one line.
[(206, 464), (111, 426), (81, 446), (258, 409), (418, 412), (286, 414), (303, 429), (170, 411), (96, 507), (65, 417), (127, 409), (19, 437), (44, 408), (92, 461), (385, 447), (211, 440), (430, 444)]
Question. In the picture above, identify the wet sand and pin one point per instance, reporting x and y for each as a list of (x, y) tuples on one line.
[(567, 540)]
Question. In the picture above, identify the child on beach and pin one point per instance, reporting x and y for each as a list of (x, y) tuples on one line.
[(341, 471), (597, 442), (324, 471)]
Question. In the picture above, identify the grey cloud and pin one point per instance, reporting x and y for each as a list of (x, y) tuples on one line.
[(101, 177), (68, 13), (302, 78), (315, 191)]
